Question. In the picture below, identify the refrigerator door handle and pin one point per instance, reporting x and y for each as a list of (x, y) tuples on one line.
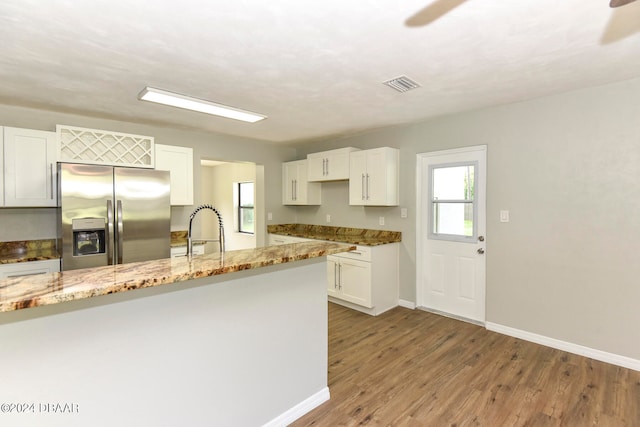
[(120, 230), (109, 242)]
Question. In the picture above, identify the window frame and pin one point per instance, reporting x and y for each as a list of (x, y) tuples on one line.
[(240, 208)]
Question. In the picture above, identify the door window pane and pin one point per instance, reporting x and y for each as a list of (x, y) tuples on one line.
[(453, 202), (454, 183)]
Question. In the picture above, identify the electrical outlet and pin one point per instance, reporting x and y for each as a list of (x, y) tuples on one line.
[(381, 220), (269, 216), (328, 218), (403, 212)]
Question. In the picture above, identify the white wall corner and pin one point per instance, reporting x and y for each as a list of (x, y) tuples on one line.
[(407, 304), (603, 356), (300, 409)]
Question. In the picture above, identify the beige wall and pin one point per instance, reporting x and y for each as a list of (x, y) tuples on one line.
[(40, 223), (568, 169)]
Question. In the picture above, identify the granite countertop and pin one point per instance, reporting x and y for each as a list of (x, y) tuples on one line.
[(53, 288), (28, 250), (354, 236)]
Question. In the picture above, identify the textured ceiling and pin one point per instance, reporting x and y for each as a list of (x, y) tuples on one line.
[(315, 68)]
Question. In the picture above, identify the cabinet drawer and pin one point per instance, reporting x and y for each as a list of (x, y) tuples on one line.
[(362, 253), (181, 251), (29, 268), (279, 239)]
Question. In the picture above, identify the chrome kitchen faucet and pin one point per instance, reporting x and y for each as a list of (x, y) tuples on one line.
[(220, 229)]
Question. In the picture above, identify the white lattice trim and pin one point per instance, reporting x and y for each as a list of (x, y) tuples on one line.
[(101, 147)]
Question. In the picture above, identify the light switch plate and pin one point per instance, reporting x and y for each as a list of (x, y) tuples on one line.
[(381, 220), (504, 216), (269, 216)]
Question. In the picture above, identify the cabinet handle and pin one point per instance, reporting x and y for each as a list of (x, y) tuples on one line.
[(120, 231), (340, 277), (327, 167), (26, 274), (51, 178), (367, 186), (363, 184), (335, 275)]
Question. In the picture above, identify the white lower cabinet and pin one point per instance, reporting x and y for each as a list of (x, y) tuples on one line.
[(349, 280), (30, 268), (279, 239), (180, 251), (365, 279)]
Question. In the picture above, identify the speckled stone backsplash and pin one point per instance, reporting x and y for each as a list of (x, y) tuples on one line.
[(356, 236), (28, 250)]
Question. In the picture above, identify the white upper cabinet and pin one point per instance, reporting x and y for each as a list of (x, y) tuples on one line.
[(30, 169), (332, 165), (296, 190), (178, 161), (374, 177)]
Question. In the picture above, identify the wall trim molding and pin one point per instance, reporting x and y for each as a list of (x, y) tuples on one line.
[(603, 356), (407, 304), (300, 409)]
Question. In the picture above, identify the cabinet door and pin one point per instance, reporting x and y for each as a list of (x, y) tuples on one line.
[(354, 279), (178, 161), (289, 176), (30, 167), (337, 166), (296, 188), (332, 276), (357, 178), (376, 178), (316, 165)]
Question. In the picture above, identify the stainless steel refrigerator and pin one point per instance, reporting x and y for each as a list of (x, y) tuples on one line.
[(112, 215)]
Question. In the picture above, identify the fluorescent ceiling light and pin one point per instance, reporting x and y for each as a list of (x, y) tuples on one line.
[(189, 103)]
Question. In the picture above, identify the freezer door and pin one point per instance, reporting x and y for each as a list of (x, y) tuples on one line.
[(85, 193), (143, 214)]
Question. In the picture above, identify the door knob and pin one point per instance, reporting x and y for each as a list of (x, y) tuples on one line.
[(481, 238), (480, 251)]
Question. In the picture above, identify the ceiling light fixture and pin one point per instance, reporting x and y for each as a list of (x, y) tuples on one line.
[(181, 101)]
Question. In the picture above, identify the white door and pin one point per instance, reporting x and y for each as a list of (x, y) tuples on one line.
[(451, 228)]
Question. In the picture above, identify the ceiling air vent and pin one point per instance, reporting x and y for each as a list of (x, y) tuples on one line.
[(402, 84)]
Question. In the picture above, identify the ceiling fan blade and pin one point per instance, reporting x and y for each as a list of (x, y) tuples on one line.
[(618, 3), (434, 11)]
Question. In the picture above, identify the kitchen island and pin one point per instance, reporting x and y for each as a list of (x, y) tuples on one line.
[(233, 339)]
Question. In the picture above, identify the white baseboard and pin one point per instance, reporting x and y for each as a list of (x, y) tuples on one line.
[(407, 304), (603, 356), (300, 409)]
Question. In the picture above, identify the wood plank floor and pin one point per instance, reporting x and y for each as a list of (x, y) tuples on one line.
[(413, 368)]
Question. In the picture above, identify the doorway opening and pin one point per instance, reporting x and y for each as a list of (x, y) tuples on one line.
[(225, 184)]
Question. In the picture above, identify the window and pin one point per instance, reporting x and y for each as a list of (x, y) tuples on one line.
[(245, 208), (453, 207)]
